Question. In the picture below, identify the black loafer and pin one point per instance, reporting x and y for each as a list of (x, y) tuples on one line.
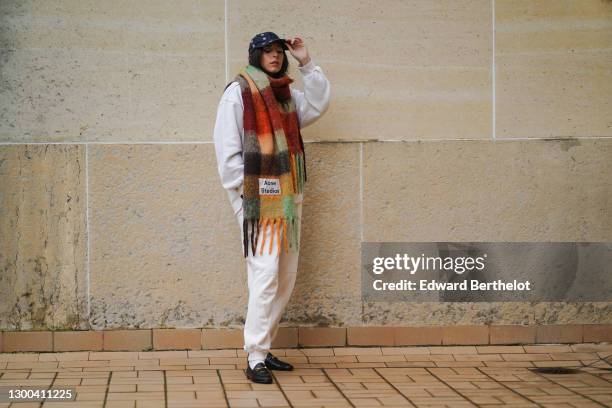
[(259, 373), (274, 363)]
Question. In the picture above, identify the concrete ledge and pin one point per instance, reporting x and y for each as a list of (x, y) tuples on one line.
[(27, 341), (128, 340), (291, 337), (83, 340)]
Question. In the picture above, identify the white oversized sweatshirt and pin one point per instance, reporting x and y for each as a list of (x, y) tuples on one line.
[(228, 133)]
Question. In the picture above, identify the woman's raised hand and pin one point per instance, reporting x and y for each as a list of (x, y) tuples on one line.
[(298, 49)]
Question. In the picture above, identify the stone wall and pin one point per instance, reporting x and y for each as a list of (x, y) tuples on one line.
[(450, 120)]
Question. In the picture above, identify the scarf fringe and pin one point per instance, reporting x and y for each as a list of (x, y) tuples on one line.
[(290, 236)]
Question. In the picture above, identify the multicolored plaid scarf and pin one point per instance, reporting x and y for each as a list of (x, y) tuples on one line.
[(274, 160)]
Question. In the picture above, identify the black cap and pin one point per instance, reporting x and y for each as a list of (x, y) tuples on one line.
[(262, 39)]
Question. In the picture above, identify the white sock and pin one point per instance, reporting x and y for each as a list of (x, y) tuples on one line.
[(253, 363)]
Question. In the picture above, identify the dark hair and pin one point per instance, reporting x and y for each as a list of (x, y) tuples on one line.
[(255, 60)]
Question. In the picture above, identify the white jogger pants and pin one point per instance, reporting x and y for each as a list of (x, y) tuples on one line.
[(271, 279)]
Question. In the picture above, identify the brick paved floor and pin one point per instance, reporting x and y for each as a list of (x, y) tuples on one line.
[(465, 376)]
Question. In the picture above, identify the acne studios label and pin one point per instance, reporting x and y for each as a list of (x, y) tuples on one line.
[(269, 186)]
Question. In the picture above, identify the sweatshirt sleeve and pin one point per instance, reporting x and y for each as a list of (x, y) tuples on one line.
[(228, 136), (313, 102)]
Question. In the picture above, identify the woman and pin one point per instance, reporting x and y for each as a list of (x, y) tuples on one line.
[(261, 162)]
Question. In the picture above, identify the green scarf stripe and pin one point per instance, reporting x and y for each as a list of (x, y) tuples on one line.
[(289, 207), (287, 106), (259, 77), (281, 142), (295, 234), (300, 178), (297, 174)]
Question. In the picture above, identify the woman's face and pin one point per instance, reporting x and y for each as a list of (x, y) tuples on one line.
[(272, 57)]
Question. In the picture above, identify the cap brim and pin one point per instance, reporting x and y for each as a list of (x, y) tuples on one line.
[(281, 41)]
